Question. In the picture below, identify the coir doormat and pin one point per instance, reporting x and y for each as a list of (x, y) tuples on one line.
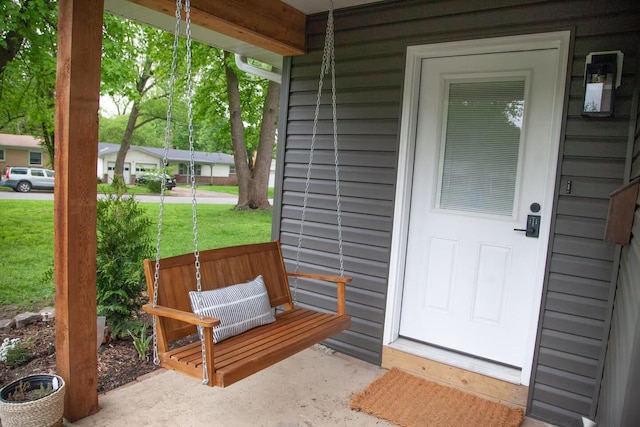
[(410, 401)]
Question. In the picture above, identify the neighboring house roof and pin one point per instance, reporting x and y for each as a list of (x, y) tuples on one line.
[(19, 141), (105, 148)]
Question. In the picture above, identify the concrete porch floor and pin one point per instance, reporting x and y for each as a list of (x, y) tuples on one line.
[(312, 388)]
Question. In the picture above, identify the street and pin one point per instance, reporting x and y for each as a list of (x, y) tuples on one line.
[(181, 195)]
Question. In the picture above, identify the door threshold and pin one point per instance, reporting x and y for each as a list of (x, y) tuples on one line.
[(468, 363)]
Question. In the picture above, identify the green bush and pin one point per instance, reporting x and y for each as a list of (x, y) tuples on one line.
[(155, 186), (124, 241), (18, 355)]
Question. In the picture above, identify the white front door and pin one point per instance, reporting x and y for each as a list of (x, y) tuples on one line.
[(481, 167)]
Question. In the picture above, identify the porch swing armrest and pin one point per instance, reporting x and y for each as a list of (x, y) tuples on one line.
[(325, 277), (339, 281), (184, 316)]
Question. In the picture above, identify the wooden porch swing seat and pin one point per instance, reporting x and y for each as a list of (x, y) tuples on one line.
[(240, 356)]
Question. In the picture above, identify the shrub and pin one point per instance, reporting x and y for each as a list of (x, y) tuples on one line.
[(7, 345), (124, 241), (155, 186), (17, 355)]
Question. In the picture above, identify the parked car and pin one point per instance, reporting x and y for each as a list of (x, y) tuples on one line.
[(23, 179), (143, 178)]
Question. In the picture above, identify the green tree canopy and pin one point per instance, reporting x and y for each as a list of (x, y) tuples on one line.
[(28, 37)]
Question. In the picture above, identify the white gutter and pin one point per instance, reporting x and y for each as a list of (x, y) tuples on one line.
[(244, 65)]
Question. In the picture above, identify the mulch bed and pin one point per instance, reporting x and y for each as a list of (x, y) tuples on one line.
[(118, 360)]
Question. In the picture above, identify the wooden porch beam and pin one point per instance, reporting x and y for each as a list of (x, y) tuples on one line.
[(269, 24), (75, 160)]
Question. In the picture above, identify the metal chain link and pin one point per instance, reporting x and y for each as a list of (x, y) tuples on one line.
[(335, 147), (163, 185), (328, 64), (192, 176)]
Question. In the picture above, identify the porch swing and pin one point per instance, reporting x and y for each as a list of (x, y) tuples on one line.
[(186, 289)]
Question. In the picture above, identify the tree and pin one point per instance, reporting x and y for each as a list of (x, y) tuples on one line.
[(253, 175), (250, 106), (133, 66), (28, 37)]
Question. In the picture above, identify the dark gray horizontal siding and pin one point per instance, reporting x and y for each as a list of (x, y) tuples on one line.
[(590, 187), (618, 404), (407, 19), (347, 173), (584, 316), (587, 248), (349, 96), (347, 142), (570, 343), (571, 383), (581, 207), (348, 163), (573, 363), (368, 125), (553, 411), (574, 285), (371, 42), (578, 266), (576, 303), (619, 393), (563, 398), (595, 147), (584, 227)]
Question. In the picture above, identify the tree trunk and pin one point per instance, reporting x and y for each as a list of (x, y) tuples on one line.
[(141, 87), (268, 128), (48, 143), (253, 181), (126, 142), (240, 157)]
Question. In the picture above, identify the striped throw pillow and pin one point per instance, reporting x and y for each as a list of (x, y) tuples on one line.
[(239, 307)]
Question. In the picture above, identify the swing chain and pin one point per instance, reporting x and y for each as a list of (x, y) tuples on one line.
[(163, 185), (335, 148), (167, 137), (328, 64), (192, 176)]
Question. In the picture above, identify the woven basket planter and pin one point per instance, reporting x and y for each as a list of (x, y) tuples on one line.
[(46, 411)]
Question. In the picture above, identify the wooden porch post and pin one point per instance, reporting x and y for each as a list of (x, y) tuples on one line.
[(76, 151)]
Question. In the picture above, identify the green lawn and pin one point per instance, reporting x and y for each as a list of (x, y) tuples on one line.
[(26, 239), (131, 189), (230, 189)]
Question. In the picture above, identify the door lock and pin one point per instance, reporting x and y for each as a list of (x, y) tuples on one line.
[(533, 226)]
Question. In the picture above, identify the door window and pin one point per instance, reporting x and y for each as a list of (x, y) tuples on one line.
[(481, 138)]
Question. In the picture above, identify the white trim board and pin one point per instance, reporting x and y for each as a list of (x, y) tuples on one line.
[(462, 361), (415, 55)]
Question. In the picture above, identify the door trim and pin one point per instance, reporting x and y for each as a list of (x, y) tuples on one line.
[(415, 54)]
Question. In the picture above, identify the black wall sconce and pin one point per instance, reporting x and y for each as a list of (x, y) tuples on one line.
[(603, 74)]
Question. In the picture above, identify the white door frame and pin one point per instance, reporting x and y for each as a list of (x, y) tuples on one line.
[(415, 54)]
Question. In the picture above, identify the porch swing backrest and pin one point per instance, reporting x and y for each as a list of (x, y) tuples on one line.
[(219, 268)]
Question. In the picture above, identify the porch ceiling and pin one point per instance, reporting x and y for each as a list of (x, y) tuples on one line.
[(268, 46)]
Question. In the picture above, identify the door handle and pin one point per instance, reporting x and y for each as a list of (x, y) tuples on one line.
[(533, 226)]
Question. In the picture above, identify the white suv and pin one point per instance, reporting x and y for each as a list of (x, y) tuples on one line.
[(23, 179)]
